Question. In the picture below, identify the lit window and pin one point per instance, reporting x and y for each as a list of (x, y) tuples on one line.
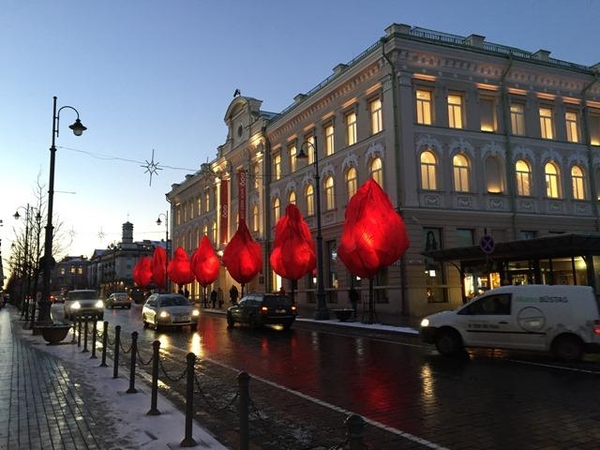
[(351, 136), (552, 180), (309, 194), (377, 171), (517, 119), (214, 231), (310, 149), (199, 205), (594, 127), (428, 171), (205, 230), (578, 179), (329, 194), (351, 182), (292, 198), (523, 174), (461, 173), (493, 175), (572, 126), (455, 106), (207, 200), (276, 209), (424, 108), (376, 116), (255, 223), (488, 114), (256, 172), (292, 156), (546, 126), (329, 140), (277, 166)]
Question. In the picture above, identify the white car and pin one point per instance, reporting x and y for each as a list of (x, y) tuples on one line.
[(169, 310), (563, 320)]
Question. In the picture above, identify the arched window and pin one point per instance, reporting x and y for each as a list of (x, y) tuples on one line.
[(578, 180), (493, 175), (276, 209), (255, 222), (428, 170), (377, 170), (460, 165), (523, 175), (351, 182), (309, 194), (552, 175), (292, 198), (329, 194)]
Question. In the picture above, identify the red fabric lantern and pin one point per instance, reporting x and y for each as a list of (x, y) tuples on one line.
[(242, 256), (293, 254), (159, 266), (374, 235), (142, 272), (205, 263), (179, 267)]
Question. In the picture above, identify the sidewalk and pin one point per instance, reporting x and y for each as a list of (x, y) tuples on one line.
[(56, 397)]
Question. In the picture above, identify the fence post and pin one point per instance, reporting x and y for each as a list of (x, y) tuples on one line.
[(117, 345), (132, 389), (154, 396), (356, 431), (189, 441), (85, 336), (94, 330), (244, 410), (74, 337), (104, 344)]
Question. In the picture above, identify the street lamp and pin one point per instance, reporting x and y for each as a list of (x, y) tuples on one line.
[(159, 223), (48, 261), (322, 313), (17, 216)]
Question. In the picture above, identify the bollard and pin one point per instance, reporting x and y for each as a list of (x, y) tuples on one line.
[(85, 336), (94, 329), (117, 345), (244, 410), (189, 441), (154, 398), (356, 432), (74, 337), (132, 389), (78, 319), (104, 344)]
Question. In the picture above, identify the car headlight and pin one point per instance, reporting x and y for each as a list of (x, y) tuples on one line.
[(195, 313), (164, 314), (76, 305), (425, 322), (99, 304)]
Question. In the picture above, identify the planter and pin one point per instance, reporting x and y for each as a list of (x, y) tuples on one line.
[(344, 314), (54, 334)]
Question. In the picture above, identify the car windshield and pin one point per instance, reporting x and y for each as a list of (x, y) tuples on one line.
[(277, 300), (174, 300), (81, 295)]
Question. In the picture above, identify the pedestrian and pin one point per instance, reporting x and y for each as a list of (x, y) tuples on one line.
[(213, 299), (233, 294), (220, 297), (281, 291), (353, 295)]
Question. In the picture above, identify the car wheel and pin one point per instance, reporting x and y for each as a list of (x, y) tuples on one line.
[(155, 324), (230, 321), (146, 324), (448, 342), (568, 348), (254, 322)]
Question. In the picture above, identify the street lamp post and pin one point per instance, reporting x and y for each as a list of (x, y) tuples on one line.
[(48, 261), (17, 216), (322, 313), (159, 223)]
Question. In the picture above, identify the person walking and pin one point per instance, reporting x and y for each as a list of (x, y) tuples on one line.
[(233, 294), (353, 295), (220, 297), (213, 299)]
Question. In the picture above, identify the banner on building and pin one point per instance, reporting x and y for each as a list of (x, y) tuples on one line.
[(242, 194), (223, 211)]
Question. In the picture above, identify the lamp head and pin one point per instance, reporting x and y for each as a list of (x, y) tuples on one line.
[(158, 222), (302, 154), (78, 128), (17, 216)]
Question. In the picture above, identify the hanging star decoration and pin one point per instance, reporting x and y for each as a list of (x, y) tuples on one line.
[(101, 234), (152, 167)]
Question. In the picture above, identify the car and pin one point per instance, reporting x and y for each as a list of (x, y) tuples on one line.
[(559, 319), (121, 299), (83, 303), (262, 309), (172, 310)]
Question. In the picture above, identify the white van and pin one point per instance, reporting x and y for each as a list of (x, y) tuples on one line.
[(564, 320)]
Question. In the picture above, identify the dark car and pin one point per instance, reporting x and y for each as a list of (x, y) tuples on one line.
[(257, 310)]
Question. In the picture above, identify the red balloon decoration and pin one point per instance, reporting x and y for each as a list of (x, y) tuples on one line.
[(142, 272), (374, 235), (159, 266), (293, 254), (179, 268), (242, 256), (205, 263)]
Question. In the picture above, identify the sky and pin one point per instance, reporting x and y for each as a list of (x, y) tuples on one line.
[(152, 80)]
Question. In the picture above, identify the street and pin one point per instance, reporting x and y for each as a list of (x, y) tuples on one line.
[(304, 383)]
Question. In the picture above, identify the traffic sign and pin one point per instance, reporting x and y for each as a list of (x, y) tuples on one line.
[(487, 244)]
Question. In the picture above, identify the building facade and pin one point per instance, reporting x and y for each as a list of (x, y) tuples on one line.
[(468, 138)]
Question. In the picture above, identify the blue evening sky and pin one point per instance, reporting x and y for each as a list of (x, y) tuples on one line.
[(159, 74)]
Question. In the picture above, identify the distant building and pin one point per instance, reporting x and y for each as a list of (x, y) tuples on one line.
[(70, 273)]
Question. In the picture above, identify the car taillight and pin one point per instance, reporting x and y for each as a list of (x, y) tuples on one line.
[(293, 308), (597, 327), (264, 310)]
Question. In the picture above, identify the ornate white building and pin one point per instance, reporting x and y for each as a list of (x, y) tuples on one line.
[(467, 137)]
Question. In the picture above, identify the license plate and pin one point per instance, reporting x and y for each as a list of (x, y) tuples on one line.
[(280, 311), (182, 318)]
